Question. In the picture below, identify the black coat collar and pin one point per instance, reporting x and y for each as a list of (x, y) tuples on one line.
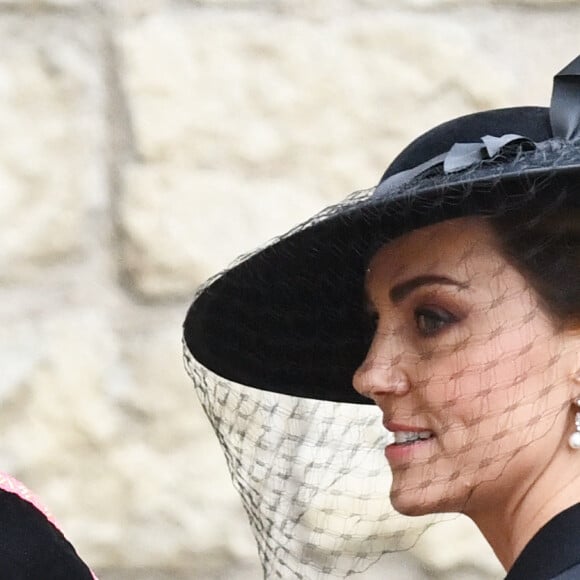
[(554, 549)]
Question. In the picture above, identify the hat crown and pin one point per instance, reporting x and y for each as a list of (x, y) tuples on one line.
[(531, 122), (536, 124)]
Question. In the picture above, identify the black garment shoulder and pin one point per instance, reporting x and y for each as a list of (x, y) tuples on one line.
[(554, 552), (32, 548), (570, 574)]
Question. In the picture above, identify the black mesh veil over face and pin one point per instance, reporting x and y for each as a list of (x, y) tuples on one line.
[(447, 299)]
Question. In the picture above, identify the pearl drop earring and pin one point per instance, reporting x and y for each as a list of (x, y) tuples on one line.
[(574, 440)]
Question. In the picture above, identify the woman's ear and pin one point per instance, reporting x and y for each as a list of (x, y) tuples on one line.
[(571, 355), (575, 350)]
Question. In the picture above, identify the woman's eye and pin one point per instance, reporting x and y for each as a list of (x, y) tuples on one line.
[(430, 321)]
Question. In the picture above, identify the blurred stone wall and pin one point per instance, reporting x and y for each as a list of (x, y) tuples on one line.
[(144, 144)]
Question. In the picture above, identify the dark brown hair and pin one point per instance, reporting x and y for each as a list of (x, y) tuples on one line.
[(546, 250)]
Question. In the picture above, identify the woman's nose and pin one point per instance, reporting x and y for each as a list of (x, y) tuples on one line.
[(380, 375)]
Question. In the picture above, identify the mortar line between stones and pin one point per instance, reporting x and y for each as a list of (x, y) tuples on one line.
[(119, 138), (47, 9), (284, 7)]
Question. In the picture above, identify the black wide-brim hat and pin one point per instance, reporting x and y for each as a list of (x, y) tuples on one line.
[(290, 318)]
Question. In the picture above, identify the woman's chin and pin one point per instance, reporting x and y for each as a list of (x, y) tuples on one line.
[(416, 503), (406, 507)]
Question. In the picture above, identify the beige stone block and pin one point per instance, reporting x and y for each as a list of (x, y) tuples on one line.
[(222, 90), (239, 132), (183, 509), (51, 164), (454, 542), (106, 428), (180, 226), (136, 8), (58, 423)]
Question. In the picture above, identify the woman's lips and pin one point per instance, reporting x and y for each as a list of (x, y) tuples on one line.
[(393, 426), (409, 440), (397, 452)]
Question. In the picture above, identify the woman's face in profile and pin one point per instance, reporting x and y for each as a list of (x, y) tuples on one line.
[(468, 370)]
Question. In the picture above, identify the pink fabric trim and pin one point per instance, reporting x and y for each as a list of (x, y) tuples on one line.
[(12, 485)]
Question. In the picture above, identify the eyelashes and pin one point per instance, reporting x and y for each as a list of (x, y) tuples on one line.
[(426, 321), (430, 321)]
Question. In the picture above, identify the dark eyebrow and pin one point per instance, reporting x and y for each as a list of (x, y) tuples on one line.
[(400, 291)]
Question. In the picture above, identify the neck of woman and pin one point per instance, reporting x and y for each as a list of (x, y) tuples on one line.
[(516, 518)]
